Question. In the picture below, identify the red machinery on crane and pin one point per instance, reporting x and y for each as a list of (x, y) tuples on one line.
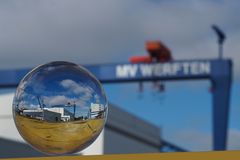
[(158, 52)]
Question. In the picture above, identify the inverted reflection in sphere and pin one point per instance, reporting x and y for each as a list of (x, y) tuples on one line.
[(59, 108)]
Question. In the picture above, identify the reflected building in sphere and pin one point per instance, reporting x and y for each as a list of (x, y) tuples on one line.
[(55, 114), (97, 110)]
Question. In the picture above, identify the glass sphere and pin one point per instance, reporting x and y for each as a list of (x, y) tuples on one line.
[(59, 108)]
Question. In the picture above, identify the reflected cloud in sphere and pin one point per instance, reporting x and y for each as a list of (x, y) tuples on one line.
[(59, 108)]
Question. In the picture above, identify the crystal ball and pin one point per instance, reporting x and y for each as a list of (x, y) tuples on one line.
[(59, 108)]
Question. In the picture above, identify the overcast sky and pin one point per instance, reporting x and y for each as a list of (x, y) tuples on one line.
[(90, 31), (93, 31)]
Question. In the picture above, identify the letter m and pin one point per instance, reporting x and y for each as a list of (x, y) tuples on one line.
[(125, 71)]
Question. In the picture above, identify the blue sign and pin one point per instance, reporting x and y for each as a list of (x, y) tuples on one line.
[(189, 69)]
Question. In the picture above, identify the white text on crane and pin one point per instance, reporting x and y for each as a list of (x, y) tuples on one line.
[(163, 69)]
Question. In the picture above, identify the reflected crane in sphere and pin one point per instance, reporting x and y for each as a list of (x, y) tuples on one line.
[(40, 102)]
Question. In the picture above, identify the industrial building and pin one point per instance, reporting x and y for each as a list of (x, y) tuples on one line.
[(55, 114), (123, 133), (97, 110)]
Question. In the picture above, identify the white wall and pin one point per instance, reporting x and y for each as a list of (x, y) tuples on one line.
[(7, 126)]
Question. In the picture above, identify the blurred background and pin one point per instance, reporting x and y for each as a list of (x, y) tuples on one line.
[(90, 32)]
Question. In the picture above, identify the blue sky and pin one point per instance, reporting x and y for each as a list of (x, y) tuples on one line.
[(110, 31), (183, 111), (181, 107)]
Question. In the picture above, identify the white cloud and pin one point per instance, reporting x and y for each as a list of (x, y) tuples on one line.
[(97, 98), (75, 87), (56, 100), (21, 89), (82, 94), (33, 106), (63, 100)]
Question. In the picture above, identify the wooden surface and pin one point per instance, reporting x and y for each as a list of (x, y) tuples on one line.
[(223, 155)]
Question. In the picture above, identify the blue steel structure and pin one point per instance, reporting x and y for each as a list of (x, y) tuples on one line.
[(218, 71)]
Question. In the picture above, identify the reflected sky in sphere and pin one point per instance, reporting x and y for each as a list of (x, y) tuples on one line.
[(59, 108)]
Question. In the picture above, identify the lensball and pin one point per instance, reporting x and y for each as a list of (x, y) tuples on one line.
[(59, 108)]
